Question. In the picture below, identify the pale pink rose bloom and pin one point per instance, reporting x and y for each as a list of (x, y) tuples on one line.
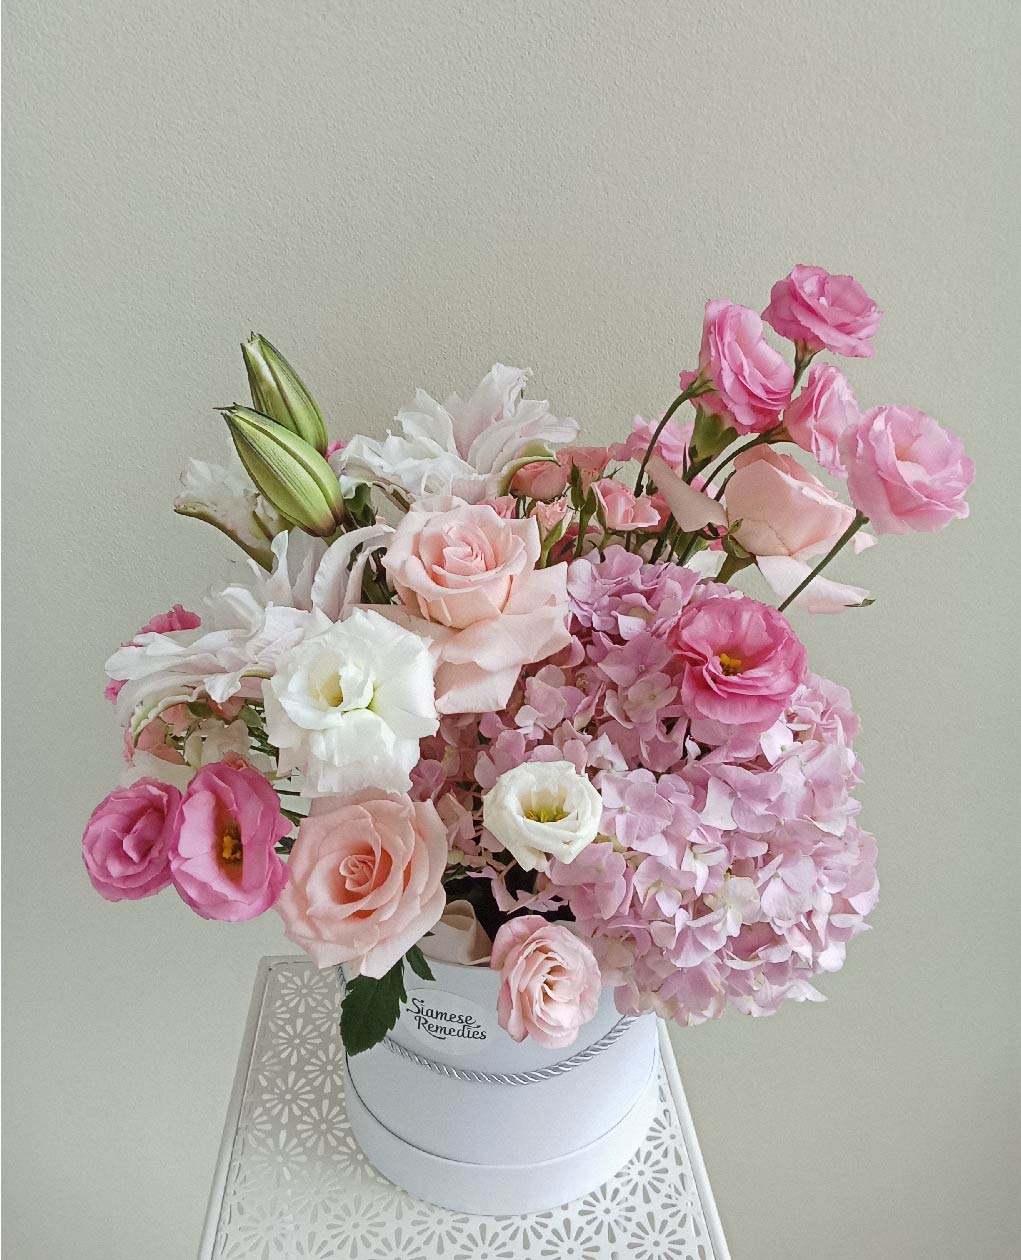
[(546, 479), (365, 881), (549, 983), (751, 380), (905, 472), (506, 506), (781, 508), (223, 860), (743, 661), (824, 312), (621, 510), (821, 414), (467, 580), (126, 845), (178, 618), (549, 515)]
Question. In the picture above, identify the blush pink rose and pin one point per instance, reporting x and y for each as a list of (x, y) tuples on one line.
[(223, 860), (781, 508), (178, 618), (547, 479), (621, 510), (126, 845), (365, 881), (742, 661), (824, 312), (905, 472), (751, 381), (467, 579), (821, 414), (549, 983)]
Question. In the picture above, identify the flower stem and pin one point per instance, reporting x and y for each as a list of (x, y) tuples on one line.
[(860, 519), (760, 439), (693, 390)]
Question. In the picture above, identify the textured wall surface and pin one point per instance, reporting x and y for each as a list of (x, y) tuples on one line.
[(400, 194)]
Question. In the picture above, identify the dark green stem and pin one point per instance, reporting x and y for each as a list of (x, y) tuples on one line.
[(694, 389), (760, 439), (860, 519)]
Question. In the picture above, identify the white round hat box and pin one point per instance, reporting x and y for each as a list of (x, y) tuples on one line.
[(429, 1115)]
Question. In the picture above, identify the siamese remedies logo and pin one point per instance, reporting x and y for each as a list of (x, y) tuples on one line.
[(444, 1022)]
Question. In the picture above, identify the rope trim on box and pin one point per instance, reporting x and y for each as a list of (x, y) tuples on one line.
[(508, 1078)]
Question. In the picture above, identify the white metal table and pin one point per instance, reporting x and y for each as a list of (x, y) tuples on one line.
[(292, 1184)]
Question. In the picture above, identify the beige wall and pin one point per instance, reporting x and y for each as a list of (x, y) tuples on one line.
[(399, 194)]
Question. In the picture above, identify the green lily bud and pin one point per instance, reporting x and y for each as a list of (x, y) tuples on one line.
[(289, 473), (278, 392)]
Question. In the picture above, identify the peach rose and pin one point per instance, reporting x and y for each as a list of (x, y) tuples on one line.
[(467, 580), (782, 509), (365, 881), (549, 984)]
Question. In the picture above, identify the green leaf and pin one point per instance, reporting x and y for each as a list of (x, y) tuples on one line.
[(370, 1008), (418, 964)]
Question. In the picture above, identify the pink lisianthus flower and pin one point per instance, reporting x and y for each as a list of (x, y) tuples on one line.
[(821, 414), (467, 580), (742, 660), (621, 510), (223, 860), (126, 845), (178, 618), (671, 445), (905, 472), (365, 881), (549, 983), (751, 380), (824, 312)]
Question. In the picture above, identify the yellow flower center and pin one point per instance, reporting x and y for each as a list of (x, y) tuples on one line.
[(545, 807), (332, 692), (546, 813), (230, 843), (730, 664)]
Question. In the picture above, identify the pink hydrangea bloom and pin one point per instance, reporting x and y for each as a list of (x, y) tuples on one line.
[(729, 868)]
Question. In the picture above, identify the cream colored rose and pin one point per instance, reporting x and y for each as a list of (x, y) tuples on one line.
[(540, 810)]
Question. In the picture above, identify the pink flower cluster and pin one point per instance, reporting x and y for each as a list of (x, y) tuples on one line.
[(729, 867)]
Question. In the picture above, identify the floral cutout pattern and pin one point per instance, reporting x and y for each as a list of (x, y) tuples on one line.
[(299, 1188)]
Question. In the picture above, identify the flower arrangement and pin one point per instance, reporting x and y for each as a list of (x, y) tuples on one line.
[(477, 681)]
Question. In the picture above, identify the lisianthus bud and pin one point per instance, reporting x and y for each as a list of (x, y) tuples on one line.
[(292, 475), (279, 392)]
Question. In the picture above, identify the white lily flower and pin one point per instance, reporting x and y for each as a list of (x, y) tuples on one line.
[(214, 494), (348, 707), (468, 448), (542, 809)]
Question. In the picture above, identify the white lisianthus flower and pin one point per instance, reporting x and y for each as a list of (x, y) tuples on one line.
[(465, 447), (540, 810), (348, 707)]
